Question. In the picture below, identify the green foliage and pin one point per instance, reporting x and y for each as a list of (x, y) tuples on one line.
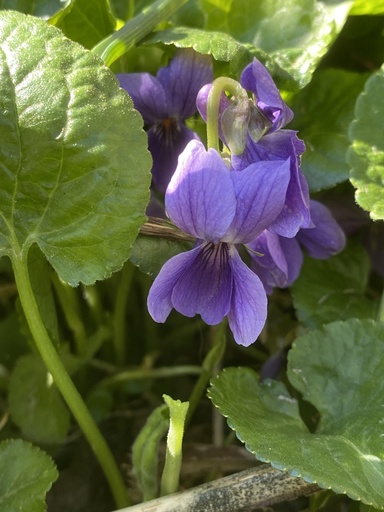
[(86, 22), (150, 253), (74, 185), (74, 151), (221, 46), (297, 33), (364, 7), (366, 154), (333, 289), (338, 369), (41, 8), (145, 452), (323, 111), (35, 403), (27, 473)]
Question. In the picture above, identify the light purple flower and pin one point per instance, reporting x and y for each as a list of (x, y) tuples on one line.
[(276, 144), (256, 78), (221, 209), (165, 102), (278, 260)]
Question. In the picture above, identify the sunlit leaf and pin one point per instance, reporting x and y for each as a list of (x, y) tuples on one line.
[(364, 7), (224, 48), (27, 473), (366, 153), (75, 165), (339, 370), (297, 33)]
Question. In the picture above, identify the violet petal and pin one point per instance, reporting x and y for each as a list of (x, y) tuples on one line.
[(159, 300), (166, 142), (200, 198), (260, 192), (182, 79), (148, 95), (280, 146), (256, 78), (248, 311), (205, 288), (326, 238), (279, 262)]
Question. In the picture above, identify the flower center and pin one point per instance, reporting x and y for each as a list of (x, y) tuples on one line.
[(167, 131), (215, 255)]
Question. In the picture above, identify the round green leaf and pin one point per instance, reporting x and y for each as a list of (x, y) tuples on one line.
[(27, 473), (339, 370), (74, 164), (366, 153)]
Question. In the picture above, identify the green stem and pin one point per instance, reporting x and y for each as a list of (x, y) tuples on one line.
[(69, 302), (219, 85), (154, 373), (173, 456), (210, 364), (65, 384), (119, 313), (118, 43)]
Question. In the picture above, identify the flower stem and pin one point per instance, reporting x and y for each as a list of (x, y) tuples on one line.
[(118, 43), (65, 384), (219, 85)]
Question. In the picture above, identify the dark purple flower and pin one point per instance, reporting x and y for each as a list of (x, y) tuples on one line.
[(221, 209), (277, 260), (165, 102)]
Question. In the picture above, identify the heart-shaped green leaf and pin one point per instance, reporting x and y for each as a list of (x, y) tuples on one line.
[(74, 164), (339, 370), (27, 473), (366, 153)]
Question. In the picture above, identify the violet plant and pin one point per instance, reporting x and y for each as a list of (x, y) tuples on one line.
[(260, 137)]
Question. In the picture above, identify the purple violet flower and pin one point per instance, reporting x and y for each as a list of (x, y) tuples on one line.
[(275, 144), (256, 78), (278, 260), (165, 102), (221, 209)]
